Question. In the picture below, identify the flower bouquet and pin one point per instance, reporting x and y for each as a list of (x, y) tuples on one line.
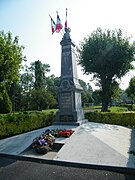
[(62, 133), (44, 142)]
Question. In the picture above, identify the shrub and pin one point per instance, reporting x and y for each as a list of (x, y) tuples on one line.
[(117, 118), (5, 102), (17, 123)]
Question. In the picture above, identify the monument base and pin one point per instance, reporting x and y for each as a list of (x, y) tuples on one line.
[(78, 123), (67, 123), (70, 117)]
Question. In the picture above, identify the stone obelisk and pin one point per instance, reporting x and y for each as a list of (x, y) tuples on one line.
[(69, 90)]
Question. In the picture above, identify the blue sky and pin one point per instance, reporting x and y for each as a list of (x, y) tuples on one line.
[(29, 19)]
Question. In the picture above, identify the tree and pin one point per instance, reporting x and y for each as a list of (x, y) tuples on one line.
[(5, 102), (96, 95), (26, 84), (38, 71), (11, 58), (124, 98), (114, 92), (41, 99), (39, 75), (52, 84), (86, 93), (39, 91), (131, 90), (108, 56)]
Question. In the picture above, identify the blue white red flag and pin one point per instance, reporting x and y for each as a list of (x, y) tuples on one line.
[(58, 24), (53, 25)]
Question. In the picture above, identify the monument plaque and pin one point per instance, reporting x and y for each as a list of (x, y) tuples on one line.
[(65, 118), (65, 100), (69, 90)]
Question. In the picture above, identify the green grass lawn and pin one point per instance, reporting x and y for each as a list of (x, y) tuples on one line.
[(50, 110), (117, 109), (97, 108), (111, 109)]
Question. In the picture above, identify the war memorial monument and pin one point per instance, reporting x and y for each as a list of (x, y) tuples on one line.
[(69, 90)]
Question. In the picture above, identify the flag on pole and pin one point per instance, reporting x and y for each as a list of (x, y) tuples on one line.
[(66, 20), (58, 24), (53, 25)]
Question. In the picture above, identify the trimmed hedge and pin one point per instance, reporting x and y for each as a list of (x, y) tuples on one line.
[(17, 123), (123, 119)]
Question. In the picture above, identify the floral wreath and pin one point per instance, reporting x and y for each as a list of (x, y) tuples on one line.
[(44, 143)]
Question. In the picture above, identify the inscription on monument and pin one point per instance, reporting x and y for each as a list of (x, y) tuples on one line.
[(66, 102), (66, 118)]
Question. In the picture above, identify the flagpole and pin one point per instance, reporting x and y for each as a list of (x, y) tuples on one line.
[(63, 31), (62, 34)]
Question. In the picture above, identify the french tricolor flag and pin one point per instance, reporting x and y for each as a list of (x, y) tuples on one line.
[(58, 24), (53, 25)]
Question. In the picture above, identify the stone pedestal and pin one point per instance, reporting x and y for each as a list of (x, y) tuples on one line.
[(69, 90)]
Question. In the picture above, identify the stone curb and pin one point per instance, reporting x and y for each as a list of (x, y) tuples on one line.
[(118, 169)]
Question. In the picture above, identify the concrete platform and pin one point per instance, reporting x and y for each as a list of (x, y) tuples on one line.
[(17, 144), (101, 144), (91, 143)]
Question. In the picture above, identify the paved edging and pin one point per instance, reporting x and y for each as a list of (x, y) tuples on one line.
[(118, 169)]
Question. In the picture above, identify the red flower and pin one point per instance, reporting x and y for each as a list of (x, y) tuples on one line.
[(68, 134), (65, 133)]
